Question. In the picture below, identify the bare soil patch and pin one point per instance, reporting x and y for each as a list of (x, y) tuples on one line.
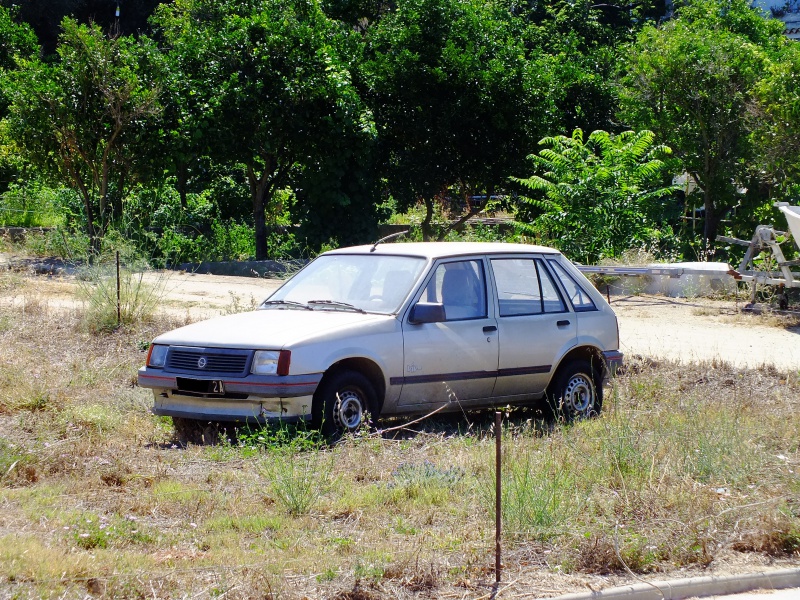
[(695, 330), (685, 330)]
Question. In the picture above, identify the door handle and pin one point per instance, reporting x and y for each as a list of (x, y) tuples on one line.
[(563, 323), (489, 328)]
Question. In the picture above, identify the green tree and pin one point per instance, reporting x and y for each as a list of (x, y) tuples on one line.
[(17, 43), (777, 121), (275, 89), (598, 198), (45, 16), (585, 41), (77, 118), (691, 82), (457, 101)]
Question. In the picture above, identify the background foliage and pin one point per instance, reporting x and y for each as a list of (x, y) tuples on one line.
[(228, 130)]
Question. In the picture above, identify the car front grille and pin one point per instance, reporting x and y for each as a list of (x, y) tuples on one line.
[(208, 360)]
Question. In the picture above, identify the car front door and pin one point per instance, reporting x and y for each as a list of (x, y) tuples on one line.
[(535, 324), (454, 360)]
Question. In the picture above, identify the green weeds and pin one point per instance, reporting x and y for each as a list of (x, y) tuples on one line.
[(16, 465), (136, 303), (288, 437), (541, 498), (296, 481), (90, 532), (686, 465)]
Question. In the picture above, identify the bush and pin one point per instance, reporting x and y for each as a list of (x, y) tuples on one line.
[(138, 299), (33, 204)]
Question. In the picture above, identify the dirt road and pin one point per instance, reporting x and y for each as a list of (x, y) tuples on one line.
[(705, 330), (652, 326)]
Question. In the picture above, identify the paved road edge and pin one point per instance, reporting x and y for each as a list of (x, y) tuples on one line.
[(696, 586)]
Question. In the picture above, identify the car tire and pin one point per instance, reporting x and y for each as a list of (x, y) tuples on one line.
[(575, 393), (345, 400)]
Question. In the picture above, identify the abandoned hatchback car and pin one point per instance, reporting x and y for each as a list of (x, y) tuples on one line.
[(395, 329)]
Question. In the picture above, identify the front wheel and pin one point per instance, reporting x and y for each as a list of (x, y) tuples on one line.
[(574, 394), (346, 398)]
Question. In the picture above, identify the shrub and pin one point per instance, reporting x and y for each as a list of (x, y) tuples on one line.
[(137, 302)]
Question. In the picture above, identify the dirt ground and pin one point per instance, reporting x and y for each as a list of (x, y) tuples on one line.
[(699, 330), (650, 326), (656, 327)]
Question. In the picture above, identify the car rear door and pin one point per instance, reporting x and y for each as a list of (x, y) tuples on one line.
[(536, 325), (454, 360)]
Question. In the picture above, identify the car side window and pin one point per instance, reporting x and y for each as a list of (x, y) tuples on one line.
[(518, 288), (524, 287), (581, 301), (551, 298), (461, 287)]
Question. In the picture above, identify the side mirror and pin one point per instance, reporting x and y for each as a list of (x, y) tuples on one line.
[(427, 312)]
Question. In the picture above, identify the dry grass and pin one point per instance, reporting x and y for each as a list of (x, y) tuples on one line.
[(687, 467)]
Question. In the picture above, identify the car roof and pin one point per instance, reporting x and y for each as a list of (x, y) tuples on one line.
[(433, 250)]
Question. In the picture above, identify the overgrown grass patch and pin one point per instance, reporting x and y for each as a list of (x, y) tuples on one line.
[(685, 466), (114, 298)]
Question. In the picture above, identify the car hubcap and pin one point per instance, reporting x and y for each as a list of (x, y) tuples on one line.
[(349, 410), (579, 395)]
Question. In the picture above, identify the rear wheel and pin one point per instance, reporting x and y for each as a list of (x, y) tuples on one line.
[(344, 401), (574, 393)]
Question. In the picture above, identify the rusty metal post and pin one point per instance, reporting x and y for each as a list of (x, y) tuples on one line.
[(498, 506), (119, 308)]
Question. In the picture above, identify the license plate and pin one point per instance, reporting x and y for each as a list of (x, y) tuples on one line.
[(201, 386)]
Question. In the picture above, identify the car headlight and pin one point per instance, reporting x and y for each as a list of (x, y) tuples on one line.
[(157, 356), (271, 362)]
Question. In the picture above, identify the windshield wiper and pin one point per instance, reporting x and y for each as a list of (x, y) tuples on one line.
[(337, 304), (291, 303)]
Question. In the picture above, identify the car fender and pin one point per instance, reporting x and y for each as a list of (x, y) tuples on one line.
[(382, 346)]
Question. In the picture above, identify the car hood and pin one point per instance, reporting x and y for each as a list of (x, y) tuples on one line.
[(267, 329)]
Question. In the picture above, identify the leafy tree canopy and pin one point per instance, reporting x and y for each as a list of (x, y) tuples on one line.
[(17, 42), (596, 198), (77, 118), (777, 121), (456, 98), (45, 16), (273, 90), (691, 81)]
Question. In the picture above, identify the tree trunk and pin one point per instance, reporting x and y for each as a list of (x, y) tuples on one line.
[(95, 236), (258, 192), (427, 232), (182, 176), (116, 204), (711, 223), (474, 209)]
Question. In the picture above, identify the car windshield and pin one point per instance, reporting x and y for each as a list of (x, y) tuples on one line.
[(362, 282)]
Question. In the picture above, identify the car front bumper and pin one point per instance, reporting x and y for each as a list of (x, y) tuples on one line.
[(252, 399)]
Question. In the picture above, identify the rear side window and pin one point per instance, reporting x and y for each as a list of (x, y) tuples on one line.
[(525, 288), (581, 301)]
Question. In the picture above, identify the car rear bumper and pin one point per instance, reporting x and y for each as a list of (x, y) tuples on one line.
[(613, 359)]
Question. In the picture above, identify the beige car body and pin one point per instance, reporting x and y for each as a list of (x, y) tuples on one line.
[(497, 355)]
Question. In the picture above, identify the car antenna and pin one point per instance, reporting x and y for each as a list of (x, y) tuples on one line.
[(387, 238)]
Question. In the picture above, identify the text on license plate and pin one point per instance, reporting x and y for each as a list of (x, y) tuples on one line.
[(201, 386)]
